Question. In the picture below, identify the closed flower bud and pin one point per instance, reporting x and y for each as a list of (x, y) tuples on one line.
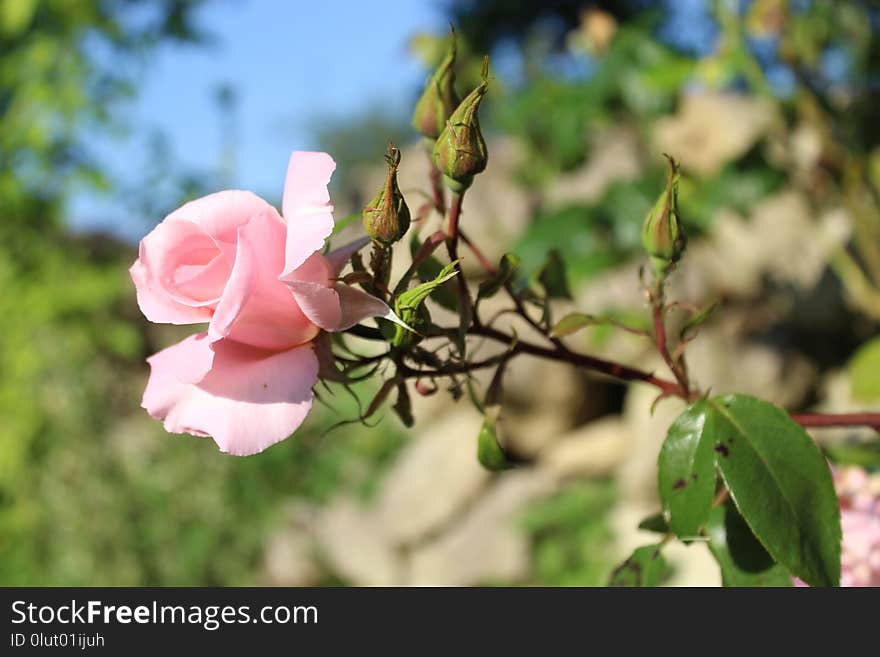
[(386, 218), (439, 99), (663, 234), (460, 151)]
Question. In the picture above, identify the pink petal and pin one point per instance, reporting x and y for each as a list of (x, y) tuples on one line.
[(221, 214), (318, 302), (306, 206), (311, 285), (158, 306), (340, 257), (357, 305), (256, 308), (315, 269), (333, 308), (172, 370), (250, 399), (186, 263)]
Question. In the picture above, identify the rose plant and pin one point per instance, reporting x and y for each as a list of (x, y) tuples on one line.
[(735, 472)]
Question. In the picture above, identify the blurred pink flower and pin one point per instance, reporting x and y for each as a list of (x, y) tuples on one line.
[(259, 280), (859, 495)]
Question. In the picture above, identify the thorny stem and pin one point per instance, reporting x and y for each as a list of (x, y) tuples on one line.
[(612, 369), (464, 296), (561, 353), (454, 368), (658, 312)]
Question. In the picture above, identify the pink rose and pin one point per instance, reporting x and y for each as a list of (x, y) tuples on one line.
[(260, 282), (859, 497)]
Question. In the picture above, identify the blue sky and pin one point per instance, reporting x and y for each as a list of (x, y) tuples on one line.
[(291, 63)]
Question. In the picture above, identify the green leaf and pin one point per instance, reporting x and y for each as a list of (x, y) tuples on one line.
[(645, 567), (412, 299), (686, 475), (553, 277), (864, 372), (656, 523), (445, 294), (507, 269), (345, 222), (699, 318), (780, 482), (742, 558), (776, 475), (572, 323), (489, 451)]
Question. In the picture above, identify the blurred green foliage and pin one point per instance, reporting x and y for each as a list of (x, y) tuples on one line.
[(571, 535), (91, 491)]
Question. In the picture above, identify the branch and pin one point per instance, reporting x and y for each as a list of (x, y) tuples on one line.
[(657, 312), (464, 296), (451, 369), (821, 420), (563, 354), (485, 263)]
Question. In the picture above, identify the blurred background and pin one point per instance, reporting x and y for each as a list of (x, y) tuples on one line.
[(113, 112)]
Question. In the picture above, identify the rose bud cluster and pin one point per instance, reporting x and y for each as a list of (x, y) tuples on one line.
[(259, 280)]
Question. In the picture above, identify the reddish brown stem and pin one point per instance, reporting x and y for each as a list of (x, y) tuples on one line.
[(464, 296), (485, 263), (609, 368), (454, 215), (837, 420), (561, 353), (455, 368), (657, 310), (437, 187), (425, 250)]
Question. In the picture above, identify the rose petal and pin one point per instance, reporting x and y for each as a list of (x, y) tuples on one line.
[(173, 371), (357, 305), (340, 257), (306, 206), (311, 284), (315, 269), (157, 306), (318, 302), (256, 308), (221, 214), (186, 263), (339, 307), (250, 399)]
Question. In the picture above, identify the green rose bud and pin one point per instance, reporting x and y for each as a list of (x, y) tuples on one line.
[(460, 151), (662, 234), (386, 218), (439, 99)]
